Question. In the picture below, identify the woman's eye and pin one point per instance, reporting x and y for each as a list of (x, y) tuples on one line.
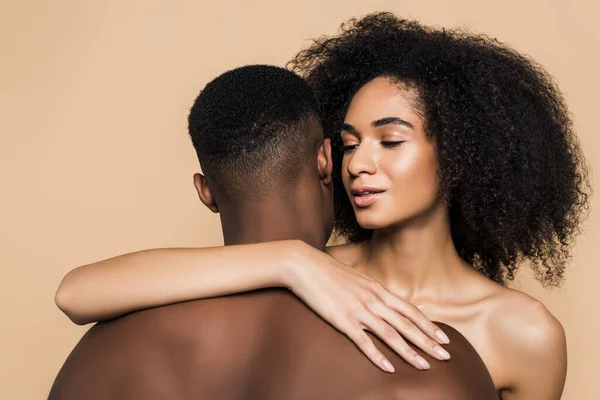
[(349, 148), (391, 144)]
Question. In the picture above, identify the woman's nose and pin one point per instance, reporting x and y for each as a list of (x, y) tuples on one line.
[(362, 160)]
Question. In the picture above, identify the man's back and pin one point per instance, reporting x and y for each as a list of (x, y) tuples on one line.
[(259, 345)]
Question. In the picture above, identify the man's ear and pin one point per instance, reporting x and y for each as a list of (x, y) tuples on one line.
[(324, 162), (204, 192)]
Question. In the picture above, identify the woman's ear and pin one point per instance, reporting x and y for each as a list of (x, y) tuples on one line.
[(204, 193), (324, 162)]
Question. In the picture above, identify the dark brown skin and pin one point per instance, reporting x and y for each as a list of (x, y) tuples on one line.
[(259, 345)]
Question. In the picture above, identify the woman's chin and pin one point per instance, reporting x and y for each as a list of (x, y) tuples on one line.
[(370, 223)]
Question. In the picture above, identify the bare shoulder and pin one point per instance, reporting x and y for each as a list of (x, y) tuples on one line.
[(530, 344), (524, 323), (348, 253)]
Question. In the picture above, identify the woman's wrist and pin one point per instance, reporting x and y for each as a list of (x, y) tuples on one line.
[(299, 256)]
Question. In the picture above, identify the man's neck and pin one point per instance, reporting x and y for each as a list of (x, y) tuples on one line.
[(271, 220)]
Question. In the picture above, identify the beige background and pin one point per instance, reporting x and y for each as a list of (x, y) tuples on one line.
[(95, 161)]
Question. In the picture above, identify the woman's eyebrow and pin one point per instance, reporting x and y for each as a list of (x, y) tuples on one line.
[(378, 123), (349, 128), (390, 121)]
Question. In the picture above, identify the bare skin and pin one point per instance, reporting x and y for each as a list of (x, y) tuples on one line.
[(258, 345), (516, 336), (411, 254)]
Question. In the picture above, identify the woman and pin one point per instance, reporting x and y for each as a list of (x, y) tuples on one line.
[(455, 161)]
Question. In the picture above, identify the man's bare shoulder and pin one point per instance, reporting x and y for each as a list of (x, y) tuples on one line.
[(242, 311)]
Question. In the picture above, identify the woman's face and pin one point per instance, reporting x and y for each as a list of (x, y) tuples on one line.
[(389, 167)]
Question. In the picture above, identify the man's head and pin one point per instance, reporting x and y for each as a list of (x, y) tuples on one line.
[(258, 136)]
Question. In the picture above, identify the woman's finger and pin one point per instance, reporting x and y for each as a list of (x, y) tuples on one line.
[(410, 331), (415, 315), (366, 345), (392, 338)]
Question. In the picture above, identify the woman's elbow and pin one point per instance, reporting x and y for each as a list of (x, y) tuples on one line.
[(67, 303)]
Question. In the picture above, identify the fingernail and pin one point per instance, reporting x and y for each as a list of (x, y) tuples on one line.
[(440, 351), (388, 366), (441, 336), (422, 362)]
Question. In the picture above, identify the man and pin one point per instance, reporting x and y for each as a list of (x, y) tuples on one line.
[(267, 169)]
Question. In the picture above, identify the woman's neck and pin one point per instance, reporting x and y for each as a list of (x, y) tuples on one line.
[(416, 260)]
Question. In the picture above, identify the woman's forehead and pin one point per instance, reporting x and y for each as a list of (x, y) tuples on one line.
[(382, 98)]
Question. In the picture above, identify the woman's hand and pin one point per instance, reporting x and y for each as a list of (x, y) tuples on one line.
[(352, 302)]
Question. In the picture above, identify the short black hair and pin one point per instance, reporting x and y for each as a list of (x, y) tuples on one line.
[(251, 126), (510, 164)]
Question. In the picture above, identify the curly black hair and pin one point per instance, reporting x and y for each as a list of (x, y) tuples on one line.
[(511, 169)]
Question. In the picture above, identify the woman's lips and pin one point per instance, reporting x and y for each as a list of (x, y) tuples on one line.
[(365, 199)]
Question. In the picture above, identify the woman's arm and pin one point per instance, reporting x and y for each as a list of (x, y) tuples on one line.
[(344, 297), (156, 277)]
